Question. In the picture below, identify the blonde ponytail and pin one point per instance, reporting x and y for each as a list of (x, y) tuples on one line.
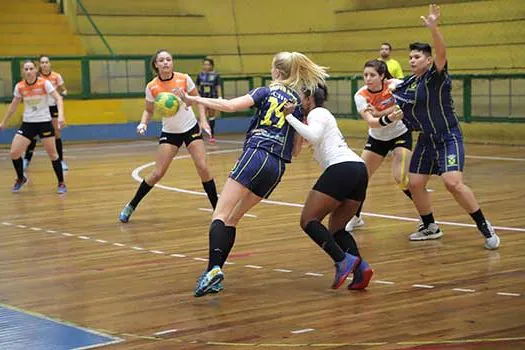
[(298, 71)]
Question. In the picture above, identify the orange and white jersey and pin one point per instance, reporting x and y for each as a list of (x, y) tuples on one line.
[(36, 99), (56, 80), (381, 100), (184, 119)]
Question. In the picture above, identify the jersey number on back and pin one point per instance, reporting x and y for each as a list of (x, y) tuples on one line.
[(277, 109)]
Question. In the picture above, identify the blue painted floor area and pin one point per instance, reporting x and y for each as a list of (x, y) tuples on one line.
[(20, 330)]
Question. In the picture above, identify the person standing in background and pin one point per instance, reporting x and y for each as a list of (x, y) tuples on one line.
[(393, 66), (209, 84)]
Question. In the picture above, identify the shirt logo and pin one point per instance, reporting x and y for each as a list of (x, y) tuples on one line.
[(452, 160)]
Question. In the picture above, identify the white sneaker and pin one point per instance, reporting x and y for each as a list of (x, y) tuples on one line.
[(64, 166), (431, 232), (420, 225), (356, 222), (26, 164), (492, 242)]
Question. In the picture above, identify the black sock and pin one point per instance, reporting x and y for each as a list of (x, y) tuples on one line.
[(58, 143), (211, 191), (231, 232), (142, 191), (427, 219), (347, 242), (481, 223), (408, 194), (212, 127), (19, 168), (320, 235), (358, 213), (59, 172), (30, 149), (221, 240)]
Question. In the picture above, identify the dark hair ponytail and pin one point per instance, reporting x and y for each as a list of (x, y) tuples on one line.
[(320, 94)]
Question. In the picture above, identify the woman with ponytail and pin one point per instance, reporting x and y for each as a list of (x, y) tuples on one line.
[(268, 147), (375, 103)]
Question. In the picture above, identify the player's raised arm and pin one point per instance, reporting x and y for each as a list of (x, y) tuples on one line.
[(431, 21)]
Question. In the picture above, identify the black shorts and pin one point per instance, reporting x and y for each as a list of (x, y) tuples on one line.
[(347, 180), (31, 130), (54, 111), (178, 139), (383, 147)]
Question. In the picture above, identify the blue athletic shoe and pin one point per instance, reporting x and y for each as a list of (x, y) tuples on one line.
[(208, 280), (126, 213), (362, 276), (344, 268), (61, 189), (19, 184), (215, 289)]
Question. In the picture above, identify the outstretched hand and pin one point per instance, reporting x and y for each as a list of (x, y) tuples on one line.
[(183, 97), (431, 20), (397, 114)]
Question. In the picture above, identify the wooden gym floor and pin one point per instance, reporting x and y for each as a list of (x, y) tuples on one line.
[(70, 259)]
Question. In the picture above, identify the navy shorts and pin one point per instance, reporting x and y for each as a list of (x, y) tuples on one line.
[(259, 171), (435, 154), (383, 147)]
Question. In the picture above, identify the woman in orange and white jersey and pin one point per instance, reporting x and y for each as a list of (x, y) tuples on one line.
[(57, 81), (375, 103), (35, 91), (180, 128)]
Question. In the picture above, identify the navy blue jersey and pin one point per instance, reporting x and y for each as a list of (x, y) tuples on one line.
[(427, 102), (207, 83), (268, 128)]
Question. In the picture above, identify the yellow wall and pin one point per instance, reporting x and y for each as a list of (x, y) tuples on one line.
[(80, 112), (243, 35)]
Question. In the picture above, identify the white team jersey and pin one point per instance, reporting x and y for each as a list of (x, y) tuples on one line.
[(184, 119), (380, 100), (322, 132), (36, 100)]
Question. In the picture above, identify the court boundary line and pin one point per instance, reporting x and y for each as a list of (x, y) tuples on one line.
[(135, 174)]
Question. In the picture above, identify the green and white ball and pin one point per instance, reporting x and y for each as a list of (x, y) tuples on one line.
[(166, 104)]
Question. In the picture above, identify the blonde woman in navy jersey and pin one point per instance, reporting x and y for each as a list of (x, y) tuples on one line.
[(426, 100), (269, 144)]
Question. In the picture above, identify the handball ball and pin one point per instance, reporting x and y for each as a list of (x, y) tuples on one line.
[(166, 104)]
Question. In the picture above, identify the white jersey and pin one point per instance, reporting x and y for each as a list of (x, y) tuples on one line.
[(184, 119), (381, 100), (322, 132), (36, 100)]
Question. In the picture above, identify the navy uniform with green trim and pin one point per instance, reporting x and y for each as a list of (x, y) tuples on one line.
[(428, 107), (269, 141)]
